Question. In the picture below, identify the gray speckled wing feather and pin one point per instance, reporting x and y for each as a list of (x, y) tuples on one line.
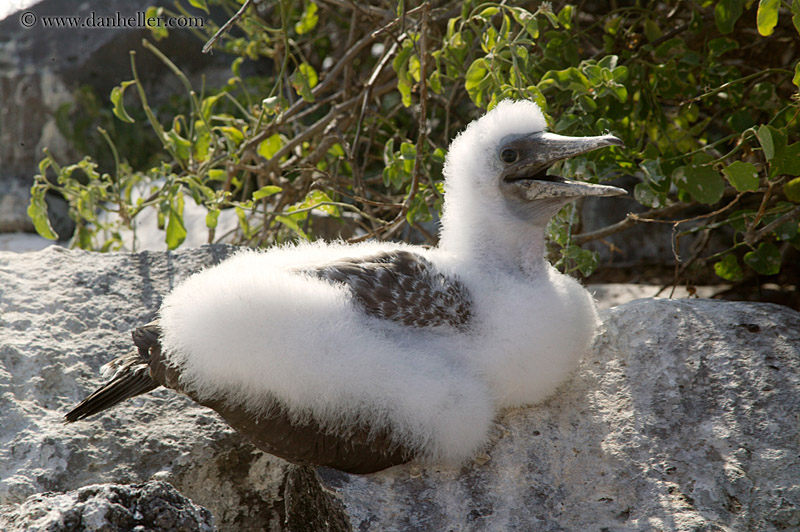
[(402, 286)]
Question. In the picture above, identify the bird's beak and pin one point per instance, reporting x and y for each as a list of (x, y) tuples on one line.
[(537, 152)]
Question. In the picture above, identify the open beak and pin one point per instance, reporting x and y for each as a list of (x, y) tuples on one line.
[(537, 152)]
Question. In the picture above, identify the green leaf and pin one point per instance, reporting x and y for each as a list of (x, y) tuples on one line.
[(489, 12), (212, 218), (766, 260), (569, 79), (314, 199), (788, 230), (720, 45), (764, 135), (117, 94), (435, 82), (208, 105), (653, 172), (303, 80), (199, 4), (217, 174), (266, 191), (181, 146), (619, 92), (84, 237), (796, 78), (651, 30), (274, 104), (308, 20), (536, 95), (292, 224), (565, 16), (244, 225), (700, 180), (408, 151), (418, 211), (237, 65), (728, 268), (159, 31), (405, 93), (37, 212), (231, 133), (644, 194), (310, 73), (268, 147), (792, 190), (787, 161), (400, 61), (176, 232), (796, 14), (477, 80), (585, 260), (548, 13), (726, 13), (767, 16), (400, 65), (743, 176), (525, 19)]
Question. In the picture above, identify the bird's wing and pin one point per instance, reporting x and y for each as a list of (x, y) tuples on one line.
[(402, 286)]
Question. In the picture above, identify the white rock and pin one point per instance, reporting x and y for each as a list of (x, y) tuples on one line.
[(154, 506), (683, 418)]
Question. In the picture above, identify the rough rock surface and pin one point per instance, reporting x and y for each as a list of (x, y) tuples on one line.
[(685, 417), (154, 506)]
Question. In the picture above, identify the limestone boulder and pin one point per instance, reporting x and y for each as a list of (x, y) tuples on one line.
[(154, 506), (683, 417)]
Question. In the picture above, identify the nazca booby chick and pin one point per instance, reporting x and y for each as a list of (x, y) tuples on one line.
[(360, 357)]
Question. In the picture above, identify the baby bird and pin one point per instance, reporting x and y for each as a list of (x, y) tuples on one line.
[(362, 357)]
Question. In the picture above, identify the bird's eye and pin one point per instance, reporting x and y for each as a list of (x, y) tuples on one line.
[(508, 155)]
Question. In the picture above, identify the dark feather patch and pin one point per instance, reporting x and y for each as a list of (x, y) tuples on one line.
[(404, 287), (131, 376)]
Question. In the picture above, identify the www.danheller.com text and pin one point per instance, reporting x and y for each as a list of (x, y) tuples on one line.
[(139, 19)]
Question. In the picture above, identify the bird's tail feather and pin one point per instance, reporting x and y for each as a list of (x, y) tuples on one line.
[(131, 376), (128, 383)]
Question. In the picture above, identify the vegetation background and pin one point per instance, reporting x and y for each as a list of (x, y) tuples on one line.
[(352, 121)]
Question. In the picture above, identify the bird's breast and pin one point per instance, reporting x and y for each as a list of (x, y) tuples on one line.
[(534, 334)]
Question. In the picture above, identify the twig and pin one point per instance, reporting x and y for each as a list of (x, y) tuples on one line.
[(425, 7), (750, 233), (226, 27), (369, 10), (631, 219), (359, 184), (775, 224), (725, 86), (680, 268), (422, 122)]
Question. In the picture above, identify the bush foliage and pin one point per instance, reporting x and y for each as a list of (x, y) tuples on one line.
[(362, 101)]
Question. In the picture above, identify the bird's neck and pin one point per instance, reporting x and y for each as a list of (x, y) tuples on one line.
[(517, 250)]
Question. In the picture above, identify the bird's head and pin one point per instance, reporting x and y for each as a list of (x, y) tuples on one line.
[(496, 172)]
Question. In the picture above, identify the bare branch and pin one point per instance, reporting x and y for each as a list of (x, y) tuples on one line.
[(770, 227), (630, 220), (226, 27)]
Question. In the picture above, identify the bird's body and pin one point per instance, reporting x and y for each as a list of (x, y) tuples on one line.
[(363, 356)]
